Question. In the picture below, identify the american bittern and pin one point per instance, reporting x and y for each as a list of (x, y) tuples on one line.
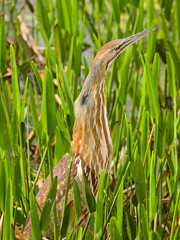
[(92, 142)]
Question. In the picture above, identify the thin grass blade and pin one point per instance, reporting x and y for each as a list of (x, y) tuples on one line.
[(36, 123), (88, 197), (16, 178), (23, 102), (120, 208), (175, 216), (152, 195), (36, 230), (66, 197), (171, 76), (15, 81), (42, 17), (114, 231), (144, 223), (48, 205), (8, 213), (139, 178), (48, 109), (2, 47), (176, 61), (37, 75), (77, 199), (68, 96), (151, 89), (99, 206), (3, 185)]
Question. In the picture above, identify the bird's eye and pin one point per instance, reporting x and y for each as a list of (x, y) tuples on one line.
[(117, 48)]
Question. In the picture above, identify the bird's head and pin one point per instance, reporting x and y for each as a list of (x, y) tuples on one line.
[(111, 50), (106, 55)]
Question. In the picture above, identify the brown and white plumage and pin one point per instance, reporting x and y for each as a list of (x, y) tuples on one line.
[(92, 141)]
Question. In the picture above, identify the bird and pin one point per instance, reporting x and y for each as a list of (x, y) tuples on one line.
[(92, 140)]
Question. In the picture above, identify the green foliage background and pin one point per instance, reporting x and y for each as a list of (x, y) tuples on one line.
[(37, 117)]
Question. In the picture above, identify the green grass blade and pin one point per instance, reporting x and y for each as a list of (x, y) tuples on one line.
[(51, 53), (66, 197), (60, 91), (63, 126), (144, 140), (48, 109), (15, 81), (178, 19), (23, 102), (2, 47), (7, 94), (130, 143), (8, 213), (169, 128), (16, 178), (37, 75), (61, 146), (177, 233), (77, 200), (14, 128), (47, 208), (3, 185), (124, 73), (150, 12), (160, 134), (131, 226), (28, 152), (171, 76), (80, 234), (86, 70), (151, 38), (116, 10), (154, 236), (168, 7), (74, 18), (176, 61), (36, 123), (151, 46), (152, 92), (144, 223), (57, 43), (114, 231), (152, 195), (70, 58), (68, 220), (88, 197), (39, 169), (120, 208), (5, 127), (139, 178), (78, 53), (86, 226), (60, 14), (8, 122), (68, 96), (42, 17), (99, 206), (35, 224), (175, 216), (155, 70), (66, 9)]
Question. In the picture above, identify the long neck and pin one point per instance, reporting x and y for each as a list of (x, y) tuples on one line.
[(91, 134)]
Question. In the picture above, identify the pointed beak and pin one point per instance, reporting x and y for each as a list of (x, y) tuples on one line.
[(130, 40)]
